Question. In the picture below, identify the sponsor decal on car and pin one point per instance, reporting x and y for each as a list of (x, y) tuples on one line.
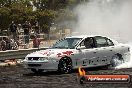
[(47, 53), (66, 53)]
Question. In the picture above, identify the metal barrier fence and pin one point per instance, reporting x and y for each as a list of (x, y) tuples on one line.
[(17, 54)]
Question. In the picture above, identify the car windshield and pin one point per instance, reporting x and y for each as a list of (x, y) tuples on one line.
[(66, 43)]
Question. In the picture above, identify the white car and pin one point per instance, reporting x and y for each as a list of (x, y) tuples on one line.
[(72, 52)]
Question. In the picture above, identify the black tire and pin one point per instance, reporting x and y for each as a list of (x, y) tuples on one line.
[(116, 60), (65, 65), (37, 71)]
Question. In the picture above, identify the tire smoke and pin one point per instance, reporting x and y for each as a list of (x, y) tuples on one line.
[(128, 60), (111, 18)]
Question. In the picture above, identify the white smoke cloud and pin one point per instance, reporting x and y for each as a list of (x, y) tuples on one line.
[(128, 60), (106, 17)]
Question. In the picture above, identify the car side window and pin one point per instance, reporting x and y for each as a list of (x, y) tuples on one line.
[(110, 43), (87, 43), (103, 41)]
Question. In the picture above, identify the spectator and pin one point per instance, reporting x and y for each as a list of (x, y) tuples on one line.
[(36, 42), (36, 27), (8, 43), (13, 44), (17, 41), (3, 44), (26, 27), (13, 29)]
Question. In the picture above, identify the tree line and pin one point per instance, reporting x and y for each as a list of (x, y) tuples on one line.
[(46, 12)]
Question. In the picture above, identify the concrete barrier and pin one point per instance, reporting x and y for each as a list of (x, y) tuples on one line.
[(17, 54)]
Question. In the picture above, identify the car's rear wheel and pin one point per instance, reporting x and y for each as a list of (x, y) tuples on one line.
[(65, 65), (116, 60), (37, 70)]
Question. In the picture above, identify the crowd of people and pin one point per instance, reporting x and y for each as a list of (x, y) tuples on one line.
[(7, 43), (12, 42)]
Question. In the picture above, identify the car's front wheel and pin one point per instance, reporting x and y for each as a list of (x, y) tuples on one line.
[(37, 70), (65, 65)]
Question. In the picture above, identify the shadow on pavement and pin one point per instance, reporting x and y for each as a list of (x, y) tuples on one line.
[(48, 73)]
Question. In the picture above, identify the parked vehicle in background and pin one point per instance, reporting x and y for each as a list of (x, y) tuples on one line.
[(72, 52)]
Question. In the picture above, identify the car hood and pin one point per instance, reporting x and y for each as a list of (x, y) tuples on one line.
[(51, 53)]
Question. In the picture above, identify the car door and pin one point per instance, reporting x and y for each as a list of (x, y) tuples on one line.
[(91, 52), (87, 49), (104, 47)]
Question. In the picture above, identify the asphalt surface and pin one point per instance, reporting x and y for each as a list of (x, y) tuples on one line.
[(18, 77)]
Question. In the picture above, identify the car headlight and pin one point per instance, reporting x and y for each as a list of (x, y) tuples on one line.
[(25, 59)]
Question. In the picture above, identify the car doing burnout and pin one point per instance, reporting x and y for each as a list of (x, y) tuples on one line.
[(72, 52)]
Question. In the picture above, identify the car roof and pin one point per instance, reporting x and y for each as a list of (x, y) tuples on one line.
[(83, 36)]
